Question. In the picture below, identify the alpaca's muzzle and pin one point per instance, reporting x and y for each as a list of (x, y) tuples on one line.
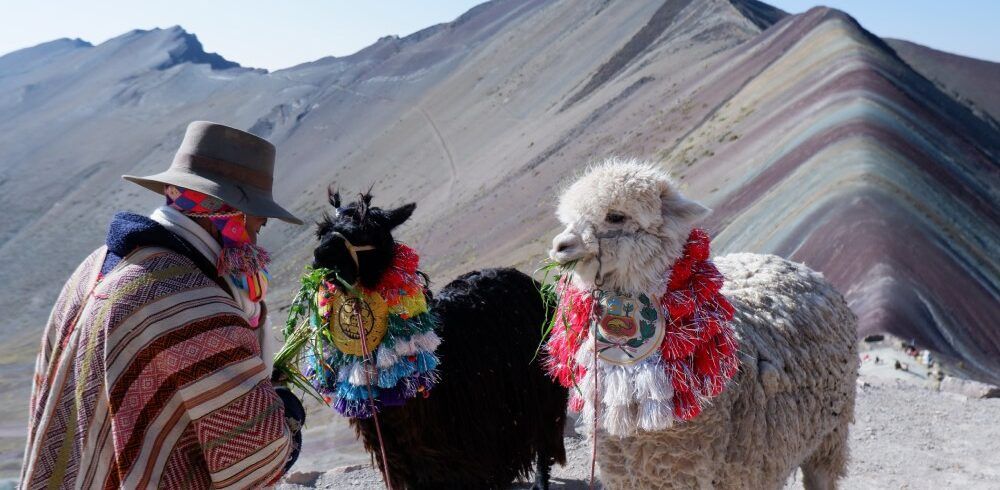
[(567, 247)]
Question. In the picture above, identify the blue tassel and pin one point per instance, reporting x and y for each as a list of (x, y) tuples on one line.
[(387, 378), (426, 361), (321, 378), (351, 392), (356, 409)]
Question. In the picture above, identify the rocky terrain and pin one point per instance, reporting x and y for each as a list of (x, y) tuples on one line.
[(911, 431), (809, 136)]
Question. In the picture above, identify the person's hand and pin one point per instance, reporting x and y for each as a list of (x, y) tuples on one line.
[(295, 418)]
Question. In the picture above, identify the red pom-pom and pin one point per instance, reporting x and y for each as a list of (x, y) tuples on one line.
[(706, 288), (681, 273), (722, 304), (709, 369), (729, 365), (708, 325), (679, 304), (729, 361), (698, 245), (680, 341), (392, 281), (726, 342), (681, 377), (406, 259), (707, 281), (570, 329), (706, 360), (712, 386), (686, 405)]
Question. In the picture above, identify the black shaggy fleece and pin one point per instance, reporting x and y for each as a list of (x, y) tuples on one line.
[(495, 413)]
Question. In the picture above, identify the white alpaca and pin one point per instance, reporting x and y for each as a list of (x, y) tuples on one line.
[(789, 404)]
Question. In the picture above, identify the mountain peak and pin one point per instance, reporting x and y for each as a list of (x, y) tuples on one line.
[(72, 43), (761, 14), (188, 49), (163, 48), (48, 47), (24, 59)]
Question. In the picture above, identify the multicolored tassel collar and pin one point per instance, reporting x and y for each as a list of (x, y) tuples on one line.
[(659, 358), (325, 325)]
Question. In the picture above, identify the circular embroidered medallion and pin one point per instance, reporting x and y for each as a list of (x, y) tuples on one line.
[(629, 329), (348, 314)]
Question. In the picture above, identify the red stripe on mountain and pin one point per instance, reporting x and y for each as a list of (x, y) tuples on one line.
[(863, 79), (785, 165)]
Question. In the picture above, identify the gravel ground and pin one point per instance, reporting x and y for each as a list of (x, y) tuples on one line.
[(907, 435)]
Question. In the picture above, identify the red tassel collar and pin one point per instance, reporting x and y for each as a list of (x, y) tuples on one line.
[(402, 272), (699, 349)]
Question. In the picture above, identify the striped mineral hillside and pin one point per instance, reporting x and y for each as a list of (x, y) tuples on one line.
[(859, 167)]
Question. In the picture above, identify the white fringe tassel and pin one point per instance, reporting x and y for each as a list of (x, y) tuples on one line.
[(632, 397), (655, 395), (427, 341), (356, 374), (405, 347), (385, 357)]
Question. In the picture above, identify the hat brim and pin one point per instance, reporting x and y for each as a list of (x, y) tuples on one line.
[(248, 199)]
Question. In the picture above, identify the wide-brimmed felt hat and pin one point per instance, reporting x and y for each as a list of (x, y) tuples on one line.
[(223, 162)]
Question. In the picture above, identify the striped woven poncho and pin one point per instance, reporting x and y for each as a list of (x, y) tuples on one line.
[(151, 377)]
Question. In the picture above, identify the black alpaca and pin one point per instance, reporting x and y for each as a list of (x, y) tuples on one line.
[(494, 414)]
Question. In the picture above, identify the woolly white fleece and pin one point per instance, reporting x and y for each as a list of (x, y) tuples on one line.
[(791, 402)]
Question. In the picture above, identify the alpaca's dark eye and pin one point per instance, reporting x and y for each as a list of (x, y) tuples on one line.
[(615, 218)]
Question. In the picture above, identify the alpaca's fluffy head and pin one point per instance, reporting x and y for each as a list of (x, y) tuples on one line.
[(358, 224), (626, 222)]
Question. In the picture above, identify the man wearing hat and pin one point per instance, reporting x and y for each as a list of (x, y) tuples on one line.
[(151, 371)]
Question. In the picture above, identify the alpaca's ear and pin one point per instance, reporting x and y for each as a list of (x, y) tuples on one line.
[(333, 195), (683, 209), (401, 214)]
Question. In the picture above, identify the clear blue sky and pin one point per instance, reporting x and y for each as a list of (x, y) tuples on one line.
[(966, 27), (272, 34)]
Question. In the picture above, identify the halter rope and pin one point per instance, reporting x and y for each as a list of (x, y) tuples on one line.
[(371, 400), (353, 250), (598, 282)]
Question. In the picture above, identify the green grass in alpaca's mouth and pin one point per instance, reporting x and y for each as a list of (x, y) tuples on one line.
[(552, 275), (302, 331)]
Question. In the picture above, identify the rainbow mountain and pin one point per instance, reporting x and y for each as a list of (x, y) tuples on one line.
[(876, 162)]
